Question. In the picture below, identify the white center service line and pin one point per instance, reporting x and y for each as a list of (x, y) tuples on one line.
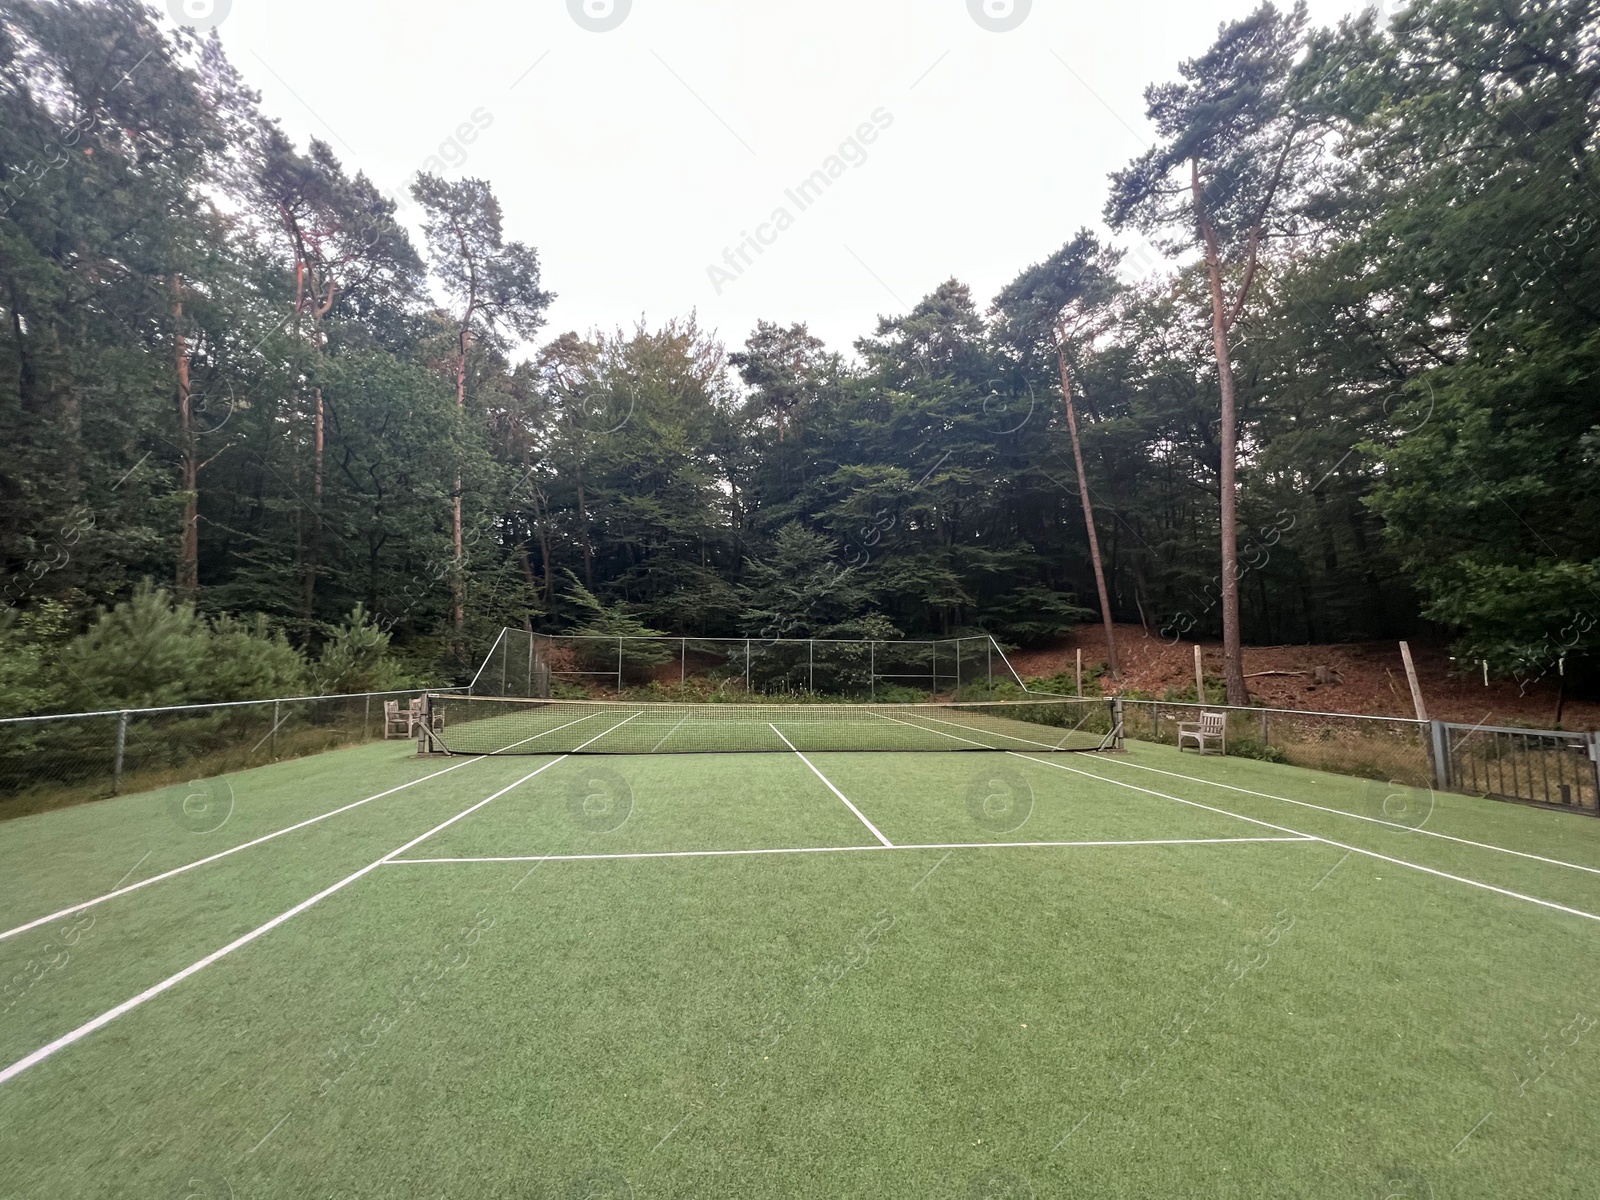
[(221, 854), (670, 732), (110, 1015), (859, 814)]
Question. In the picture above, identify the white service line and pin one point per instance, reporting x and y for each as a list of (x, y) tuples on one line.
[(105, 1018), (861, 815), (603, 733), (1340, 812), (221, 854), (669, 733), (1009, 736), (940, 732), (1399, 862), (521, 858)]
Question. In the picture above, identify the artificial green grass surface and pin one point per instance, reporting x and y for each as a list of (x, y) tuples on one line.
[(1230, 1019)]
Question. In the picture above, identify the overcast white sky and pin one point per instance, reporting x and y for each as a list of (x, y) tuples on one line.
[(633, 157)]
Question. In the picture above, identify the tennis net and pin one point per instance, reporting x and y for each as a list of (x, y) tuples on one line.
[(502, 725)]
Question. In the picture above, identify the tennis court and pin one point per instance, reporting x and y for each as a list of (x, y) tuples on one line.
[(821, 970)]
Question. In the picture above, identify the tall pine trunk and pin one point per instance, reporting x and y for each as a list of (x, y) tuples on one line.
[(314, 535), (1232, 646), (1088, 515), (188, 574), (459, 580)]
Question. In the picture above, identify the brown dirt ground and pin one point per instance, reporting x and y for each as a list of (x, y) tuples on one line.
[(1365, 677)]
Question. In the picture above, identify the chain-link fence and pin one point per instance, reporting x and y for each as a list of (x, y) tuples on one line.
[(536, 664), (49, 761), (1388, 748)]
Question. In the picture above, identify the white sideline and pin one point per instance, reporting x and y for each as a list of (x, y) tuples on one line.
[(861, 815), (521, 858), (1340, 812), (1399, 862), (221, 854), (105, 1018)]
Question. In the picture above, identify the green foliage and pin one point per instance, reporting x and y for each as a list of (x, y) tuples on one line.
[(1415, 374), (802, 590), (148, 651), (355, 659), (1254, 748), (28, 641)]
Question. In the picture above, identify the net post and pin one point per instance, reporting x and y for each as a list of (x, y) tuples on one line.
[(1441, 758), (122, 742)]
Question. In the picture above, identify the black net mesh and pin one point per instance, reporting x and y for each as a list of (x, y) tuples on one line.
[(498, 725)]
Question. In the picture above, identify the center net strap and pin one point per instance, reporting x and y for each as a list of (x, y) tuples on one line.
[(498, 725)]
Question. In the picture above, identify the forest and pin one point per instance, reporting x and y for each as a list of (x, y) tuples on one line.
[(249, 398)]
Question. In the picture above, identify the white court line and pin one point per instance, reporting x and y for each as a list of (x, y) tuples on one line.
[(1009, 736), (1340, 812), (669, 733), (863, 817), (105, 1018), (519, 858), (221, 854), (1399, 862), (941, 732)]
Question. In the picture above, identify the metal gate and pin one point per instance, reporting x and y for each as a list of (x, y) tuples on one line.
[(1542, 766)]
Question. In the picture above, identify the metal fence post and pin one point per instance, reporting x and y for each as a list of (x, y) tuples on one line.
[(1594, 760), (872, 670), (991, 662), (747, 666), (122, 741), (366, 716), (1265, 730), (619, 666), (276, 704), (811, 665), (1117, 734), (683, 661), (505, 652)]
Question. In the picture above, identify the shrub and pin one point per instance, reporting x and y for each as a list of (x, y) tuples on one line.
[(148, 651), (355, 659)]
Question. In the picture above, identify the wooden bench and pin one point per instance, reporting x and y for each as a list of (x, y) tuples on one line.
[(1211, 727), (404, 722), (396, 724)]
